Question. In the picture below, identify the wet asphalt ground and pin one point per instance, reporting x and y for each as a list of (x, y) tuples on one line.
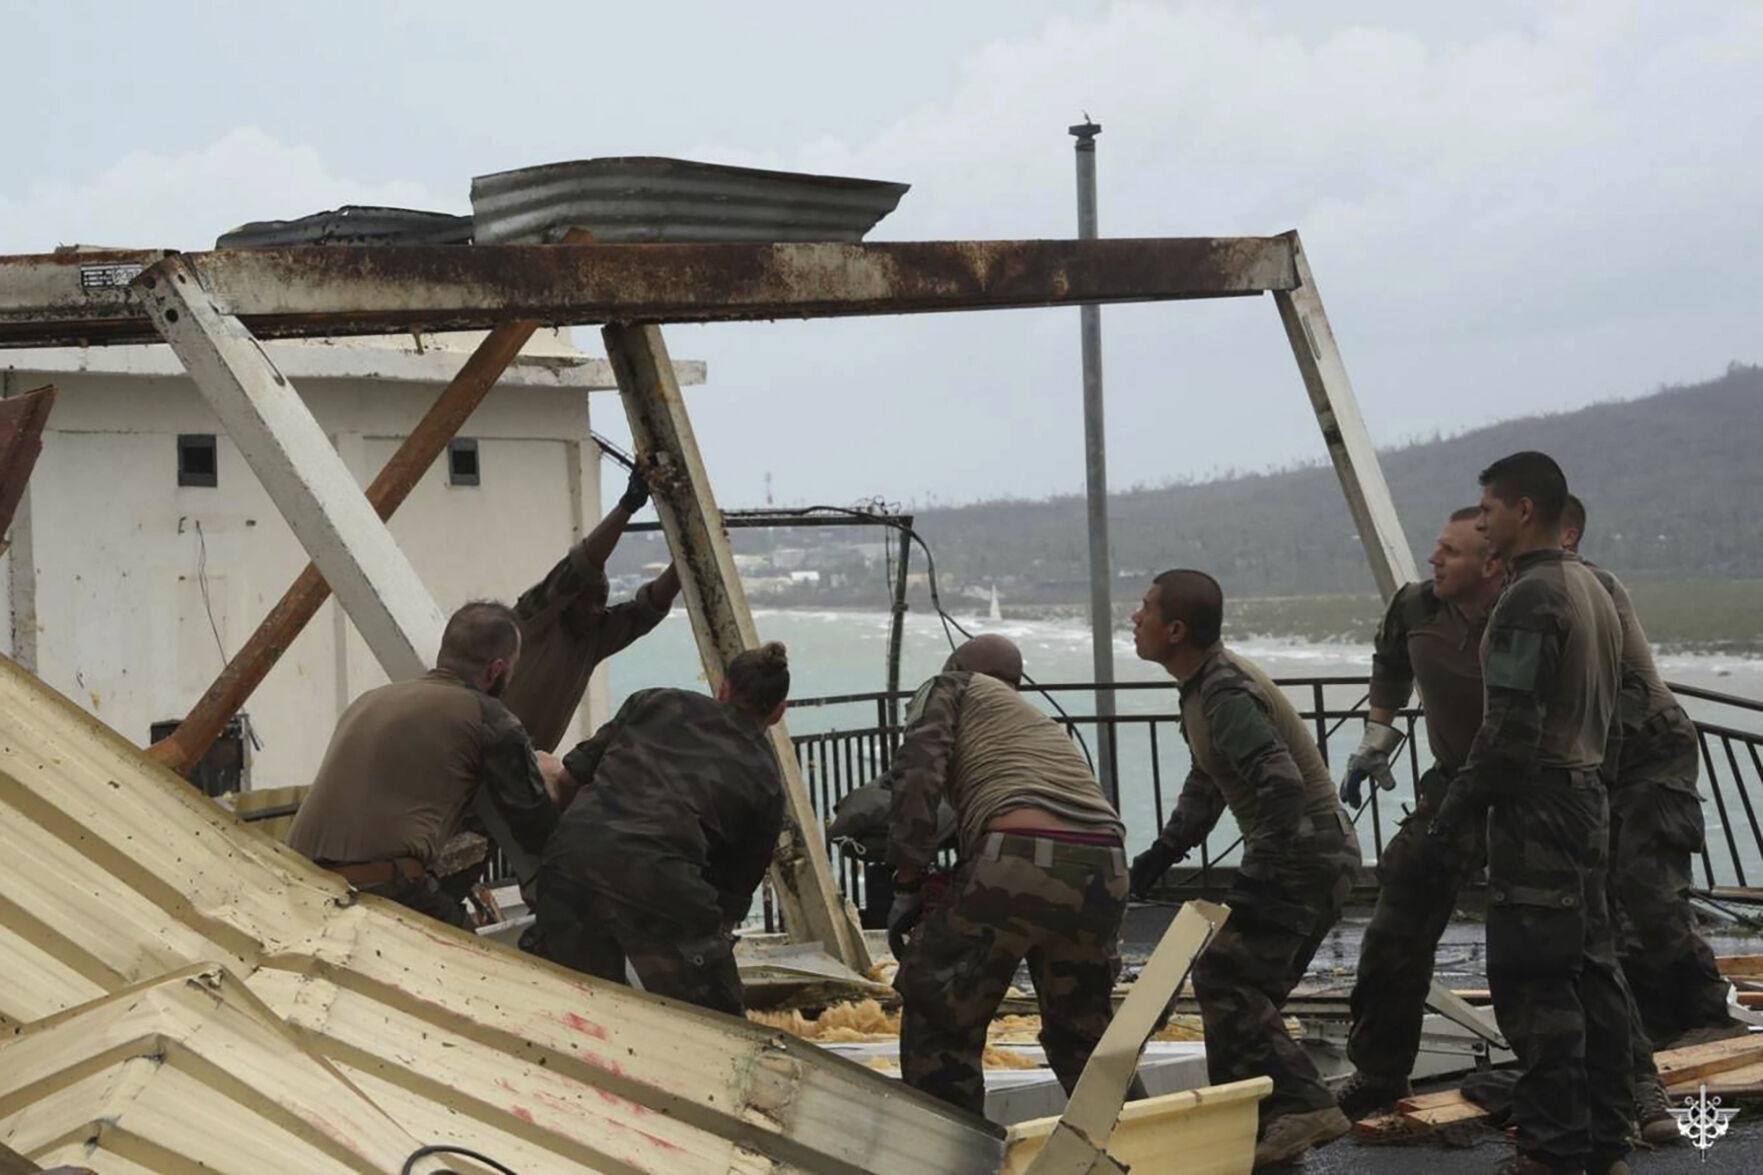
[(1462, 963)]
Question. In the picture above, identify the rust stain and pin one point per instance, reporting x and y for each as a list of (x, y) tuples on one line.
[(586, 1026)]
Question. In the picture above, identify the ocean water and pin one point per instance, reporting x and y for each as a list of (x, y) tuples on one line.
[(834, 653)]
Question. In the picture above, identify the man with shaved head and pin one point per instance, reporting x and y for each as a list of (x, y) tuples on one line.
[(1251, 753), (1430, 641), (1042, 876)]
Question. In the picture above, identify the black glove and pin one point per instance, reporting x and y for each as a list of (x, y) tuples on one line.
[(636, 492), (1448, 820), (903, 915), (1149, 867)]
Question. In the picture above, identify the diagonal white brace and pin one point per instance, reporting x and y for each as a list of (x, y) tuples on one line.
[(1458, 1010), (1343, 429), (1079, 1143), (300, 470), (814, 910)]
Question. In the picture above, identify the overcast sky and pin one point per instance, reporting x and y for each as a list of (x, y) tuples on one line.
[(1510, 207)]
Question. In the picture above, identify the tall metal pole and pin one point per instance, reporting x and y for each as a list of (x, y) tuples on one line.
[(1096, 476)]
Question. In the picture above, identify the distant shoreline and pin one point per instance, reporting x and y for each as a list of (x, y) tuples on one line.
[(1692, 617)]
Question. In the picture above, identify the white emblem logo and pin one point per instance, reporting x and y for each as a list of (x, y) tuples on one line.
[(1702, 1120)]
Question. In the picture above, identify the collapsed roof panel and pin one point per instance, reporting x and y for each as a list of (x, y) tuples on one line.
[(648, 199), (127, 875)]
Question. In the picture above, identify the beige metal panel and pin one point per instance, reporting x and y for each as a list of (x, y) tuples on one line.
[(594, 1125), (193, 1068), (1208, 1131), (365, 979)]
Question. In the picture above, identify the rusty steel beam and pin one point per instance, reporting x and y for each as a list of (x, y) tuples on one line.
[(184, 747), (21, 442), (281, 293)]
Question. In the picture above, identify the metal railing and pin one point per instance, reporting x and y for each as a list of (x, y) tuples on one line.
[(1149, 760), (1148, 757)]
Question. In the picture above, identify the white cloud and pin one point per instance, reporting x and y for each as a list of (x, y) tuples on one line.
[(186, 200)]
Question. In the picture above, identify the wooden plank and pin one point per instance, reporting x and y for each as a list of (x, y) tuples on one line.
[(1430, 1101), (1740, 964), (1678, 1066)]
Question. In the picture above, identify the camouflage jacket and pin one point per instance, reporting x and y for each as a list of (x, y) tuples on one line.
[(1552, 667), (564, 635), (1654, 728), (1426, 642), (1252, 754), (679, 812), (977, 744)]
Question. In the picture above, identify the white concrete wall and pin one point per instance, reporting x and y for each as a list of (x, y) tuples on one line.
[(115, 548)]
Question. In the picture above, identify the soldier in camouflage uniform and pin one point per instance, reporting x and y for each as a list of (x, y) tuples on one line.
[(410, 761), (1551, 668), (677, 809), (1655, 827), (1042, 876), (1252, 754), (567, 629), (1430, 638)]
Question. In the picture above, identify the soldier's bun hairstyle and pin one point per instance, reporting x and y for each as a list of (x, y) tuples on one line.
[(1194, 598), (759, 679), (479, 633), (1530, 475)]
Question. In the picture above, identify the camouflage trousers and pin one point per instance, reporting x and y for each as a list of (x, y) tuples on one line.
[(1057, 905), (1655, 828), (1417, 893), (1558, 993), (1279, 915), (686, 958)]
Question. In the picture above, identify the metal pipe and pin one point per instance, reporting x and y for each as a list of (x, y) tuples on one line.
[(1096, 467), (897, 622), (184, 747)]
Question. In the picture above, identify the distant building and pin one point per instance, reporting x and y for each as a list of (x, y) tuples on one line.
[(146, 551)]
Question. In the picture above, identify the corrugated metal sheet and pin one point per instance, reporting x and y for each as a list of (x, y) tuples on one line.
[(114, 873), (352, 224), (648, 199)]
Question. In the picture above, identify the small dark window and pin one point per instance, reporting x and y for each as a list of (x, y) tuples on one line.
[(198, 461), (462, 467)]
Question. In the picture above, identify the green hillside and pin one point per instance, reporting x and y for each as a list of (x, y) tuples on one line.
[(1672, 482)]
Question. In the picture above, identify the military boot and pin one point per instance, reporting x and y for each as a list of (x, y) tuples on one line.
[(1290, 1135), (1657, 1126), (1362, 1094)]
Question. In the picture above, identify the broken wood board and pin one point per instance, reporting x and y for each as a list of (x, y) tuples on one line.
[(115, 872), (1698, 1063), (1740, 966)]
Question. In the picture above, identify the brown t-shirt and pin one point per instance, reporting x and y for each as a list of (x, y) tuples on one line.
[(1428, 643), (403, 764), (563, 637)]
